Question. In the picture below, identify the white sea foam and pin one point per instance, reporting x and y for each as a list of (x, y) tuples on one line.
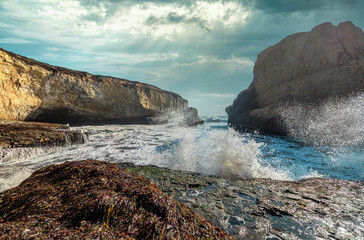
[(337, 121), (11, 154), (313, 174), (174, 118), (12, 177), (216, 152)]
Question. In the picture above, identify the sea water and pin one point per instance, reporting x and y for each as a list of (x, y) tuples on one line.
[(323, 145)]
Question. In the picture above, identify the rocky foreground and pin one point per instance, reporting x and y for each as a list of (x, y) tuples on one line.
[(307, 68), (268, 209), (91, 199), (96, 200), (35, 91)]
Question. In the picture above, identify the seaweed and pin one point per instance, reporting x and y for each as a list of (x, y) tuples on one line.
[(96, 200)]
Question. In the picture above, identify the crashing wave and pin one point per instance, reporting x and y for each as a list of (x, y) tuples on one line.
[(336, 121), (216, 119), (217, 152), (187, 118)]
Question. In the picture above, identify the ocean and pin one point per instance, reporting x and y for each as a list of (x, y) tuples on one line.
[(212, 149)]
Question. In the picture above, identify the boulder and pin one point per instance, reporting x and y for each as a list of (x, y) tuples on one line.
[(186, 118), (34, 91), (306, 67), (191, 117)]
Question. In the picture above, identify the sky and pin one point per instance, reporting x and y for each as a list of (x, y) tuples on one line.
[(203, 50)]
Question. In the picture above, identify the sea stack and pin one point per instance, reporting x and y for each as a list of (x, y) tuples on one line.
[(35, 91), (306, 67)]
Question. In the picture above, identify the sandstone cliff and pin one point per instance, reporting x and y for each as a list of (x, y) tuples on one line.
[(30, 90), (304, 67)]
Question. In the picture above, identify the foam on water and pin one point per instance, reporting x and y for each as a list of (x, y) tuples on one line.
[(12, 177), (336, 121), (11, 154), (214, 149), (216, 152), (313, 174)]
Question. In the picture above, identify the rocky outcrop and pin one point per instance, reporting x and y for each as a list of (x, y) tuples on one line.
[(35, 134), (30, 90), (304, 67), (96, 200), (21, 140), (186, 118), (259, 209), (191, 117)]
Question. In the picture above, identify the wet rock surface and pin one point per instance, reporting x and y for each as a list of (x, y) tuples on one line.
[(96, 200), (15, 134), (268, 209), (308, 68)]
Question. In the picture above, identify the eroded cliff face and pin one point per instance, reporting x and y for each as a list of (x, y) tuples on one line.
[(304, 67), (30, 90)]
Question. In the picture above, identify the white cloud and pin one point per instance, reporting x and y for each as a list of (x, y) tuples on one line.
[(233, 61), (14, 41), (228, 65), (69, 22)]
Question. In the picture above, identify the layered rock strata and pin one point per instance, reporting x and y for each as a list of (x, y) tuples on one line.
[(14, 134), (96, 200), (306, 67), (34, 91)]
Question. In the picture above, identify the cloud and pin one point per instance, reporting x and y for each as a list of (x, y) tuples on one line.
[(298, 5), (14, 41), (202, 49)]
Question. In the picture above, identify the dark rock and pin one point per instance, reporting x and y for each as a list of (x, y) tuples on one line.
[(304, 67), (191, 117), (185, 118), (268, 209)]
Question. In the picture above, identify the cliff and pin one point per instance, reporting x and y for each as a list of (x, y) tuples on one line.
[(306, 67), (30, 90)]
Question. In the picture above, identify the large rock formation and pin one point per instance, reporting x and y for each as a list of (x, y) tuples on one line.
[(304, 67), (30, 90)]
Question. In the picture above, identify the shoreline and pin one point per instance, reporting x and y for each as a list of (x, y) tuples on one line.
[(260, 208)]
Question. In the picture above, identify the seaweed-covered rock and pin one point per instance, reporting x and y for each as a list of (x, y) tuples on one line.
[(96, 200)]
